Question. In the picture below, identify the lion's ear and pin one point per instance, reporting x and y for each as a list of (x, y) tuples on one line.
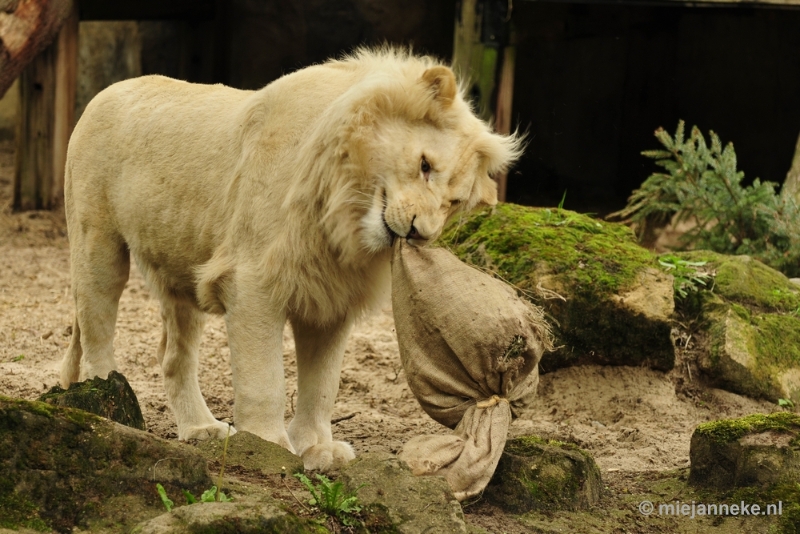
[(443, 82)]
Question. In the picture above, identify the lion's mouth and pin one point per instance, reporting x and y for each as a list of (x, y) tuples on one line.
[(392, 234)]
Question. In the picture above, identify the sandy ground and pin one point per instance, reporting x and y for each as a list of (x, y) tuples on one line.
[(630, 419)]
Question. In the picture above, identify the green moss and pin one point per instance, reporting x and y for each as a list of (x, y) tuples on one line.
[(727, 430), (527, 445), (778, 340), (557, 491), (39, 408), (587, 261), (67, 463), (285, 524), (375, 519), (535, 473), (749, 282), (787, 493), (773, 340), (516, 241), (764, 326), (17, 511), (789, 523), (111, 398), (541, 489), (741, 311)]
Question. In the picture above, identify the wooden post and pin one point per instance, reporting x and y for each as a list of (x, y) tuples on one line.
[(474, 62), (505, 99), (45, 120), (33, 170), (66, 91), (481, 36)]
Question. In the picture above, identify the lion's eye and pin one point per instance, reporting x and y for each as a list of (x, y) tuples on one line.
[(455, 202), (424, 166)]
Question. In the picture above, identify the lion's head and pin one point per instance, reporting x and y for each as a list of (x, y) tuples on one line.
[(398, 154), (429, 158)]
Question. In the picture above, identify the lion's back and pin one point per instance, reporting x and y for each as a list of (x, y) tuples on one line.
[(152, 114)]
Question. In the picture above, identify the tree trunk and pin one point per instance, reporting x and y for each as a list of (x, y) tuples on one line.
[(791, 187), (26, 28)]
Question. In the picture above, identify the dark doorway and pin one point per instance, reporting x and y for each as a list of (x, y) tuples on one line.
[(594, 81)]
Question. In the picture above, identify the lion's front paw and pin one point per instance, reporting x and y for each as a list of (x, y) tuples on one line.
[(216, 430), (327, 456)]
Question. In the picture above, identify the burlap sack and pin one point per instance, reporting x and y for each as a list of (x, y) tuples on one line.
[(470, 348)]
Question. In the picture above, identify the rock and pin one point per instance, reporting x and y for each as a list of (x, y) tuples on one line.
[(409, 504), (63, 467), (229, 518), (535, 474), (757, 450), (618, 303), (752, 327), (250, 452), (112, 398)]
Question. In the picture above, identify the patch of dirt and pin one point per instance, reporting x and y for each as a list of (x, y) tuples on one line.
[(634, 421)]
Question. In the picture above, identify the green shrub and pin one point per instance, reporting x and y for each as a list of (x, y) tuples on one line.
[(701, 183)]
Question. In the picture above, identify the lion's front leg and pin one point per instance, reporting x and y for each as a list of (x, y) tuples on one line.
[(319, 361), (255, 336)]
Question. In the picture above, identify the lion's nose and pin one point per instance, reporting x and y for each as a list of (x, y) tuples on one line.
[(415, 234)]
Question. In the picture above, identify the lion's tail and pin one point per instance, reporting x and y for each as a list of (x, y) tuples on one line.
[(71, 364)]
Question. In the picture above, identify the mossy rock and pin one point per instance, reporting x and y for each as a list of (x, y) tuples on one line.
[(397, 501), (754, 459), (112, 398), (619, 303), (752, 318), (747, 281), (229, 518), (535, 474), (756, 450), (252, 453), (63, 467)]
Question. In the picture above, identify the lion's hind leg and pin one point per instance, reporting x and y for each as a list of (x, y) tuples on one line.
[(320, 351), (100, 264), (178, 355)]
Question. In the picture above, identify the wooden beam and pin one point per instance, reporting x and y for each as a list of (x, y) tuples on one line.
[(505, 99), (147, 9), (481, 36), (475, 62), (45, 120), (66, 91)]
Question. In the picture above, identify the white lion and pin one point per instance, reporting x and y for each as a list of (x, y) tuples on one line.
[(266, 206)]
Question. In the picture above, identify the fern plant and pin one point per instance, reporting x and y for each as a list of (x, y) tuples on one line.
[(687, 276), (701, 182), (209, 495), (332, 498)]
